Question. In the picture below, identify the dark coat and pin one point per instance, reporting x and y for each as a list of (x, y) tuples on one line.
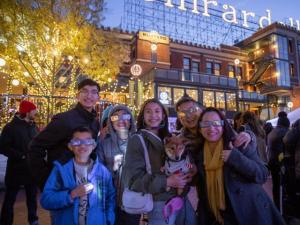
[(53, 140), (275, 144), (244, 174), (14, 141)]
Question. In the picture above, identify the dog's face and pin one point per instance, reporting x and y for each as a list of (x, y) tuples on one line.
[(175, 146)]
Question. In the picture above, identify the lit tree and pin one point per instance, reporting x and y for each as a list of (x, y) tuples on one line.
[(49, 44)]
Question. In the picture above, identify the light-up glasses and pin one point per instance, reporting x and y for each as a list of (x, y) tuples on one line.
[(78, 142), (189, 111), (215, 123), (120, 117)]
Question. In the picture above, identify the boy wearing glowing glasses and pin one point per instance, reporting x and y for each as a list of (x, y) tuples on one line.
[(80, 191), (112, 148)]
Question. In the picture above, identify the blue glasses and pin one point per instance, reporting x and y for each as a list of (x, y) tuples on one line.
[(78, 142), (120, 117), (214, 123)]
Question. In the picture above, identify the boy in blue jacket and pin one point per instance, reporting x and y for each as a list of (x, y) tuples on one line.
[(80, 191)]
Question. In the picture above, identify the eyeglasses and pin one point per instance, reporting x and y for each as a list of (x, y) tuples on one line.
[(87, 92), (78, 142), (120, 117), (215, 123), (189, 111)]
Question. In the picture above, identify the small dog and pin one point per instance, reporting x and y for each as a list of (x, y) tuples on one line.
[(178, 159)]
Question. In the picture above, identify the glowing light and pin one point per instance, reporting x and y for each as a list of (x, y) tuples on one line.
[(20, 48), (2, 62), (236, 61), (70, 57), (15, 82), (109, 80), (153, 47), (26, 74)]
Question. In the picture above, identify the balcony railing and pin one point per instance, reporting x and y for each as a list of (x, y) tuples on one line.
[(252, 96), (199, 78)]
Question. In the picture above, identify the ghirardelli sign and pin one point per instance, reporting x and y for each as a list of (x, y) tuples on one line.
[(229, 13)]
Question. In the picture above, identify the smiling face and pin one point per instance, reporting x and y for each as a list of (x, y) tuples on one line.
[(214, 131), (88, 96), (188, 114), (153, 115), (120, 121), (82, 146)]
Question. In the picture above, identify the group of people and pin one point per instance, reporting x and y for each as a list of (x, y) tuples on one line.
[(82, 175)]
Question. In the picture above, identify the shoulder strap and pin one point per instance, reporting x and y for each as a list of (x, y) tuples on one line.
[(146, 155)]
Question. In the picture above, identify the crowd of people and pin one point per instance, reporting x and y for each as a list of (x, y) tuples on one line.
[(82, 165)]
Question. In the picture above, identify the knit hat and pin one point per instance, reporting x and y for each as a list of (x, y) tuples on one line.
[(26, 106)]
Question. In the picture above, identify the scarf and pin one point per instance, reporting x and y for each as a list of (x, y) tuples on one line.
[(213, 165)]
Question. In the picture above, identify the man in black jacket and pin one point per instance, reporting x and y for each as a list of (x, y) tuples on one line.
[(51, 143), (14, 142)]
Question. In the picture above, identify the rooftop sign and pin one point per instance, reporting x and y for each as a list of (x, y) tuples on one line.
[(229, 13), (153, 37)]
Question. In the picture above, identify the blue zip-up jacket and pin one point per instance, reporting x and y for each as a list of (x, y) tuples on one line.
[(56, 195)]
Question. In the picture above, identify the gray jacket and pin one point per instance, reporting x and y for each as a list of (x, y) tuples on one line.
[(109, 150)]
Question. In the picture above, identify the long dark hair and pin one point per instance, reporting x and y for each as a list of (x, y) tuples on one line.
[(252, 121), (163, 131), (228, 132)]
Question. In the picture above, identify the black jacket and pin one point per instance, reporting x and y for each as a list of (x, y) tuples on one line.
[(14, 141), (275, 144), (51, 143)]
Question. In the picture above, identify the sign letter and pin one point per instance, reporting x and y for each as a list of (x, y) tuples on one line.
[(231, 14), (246, 14), (169, 3), (195, 9), (182, 7), (205, 6), (267, 18)]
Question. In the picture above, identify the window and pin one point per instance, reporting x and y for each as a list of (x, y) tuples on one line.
[(217, 69), (208, 98), (220, 100), (153, 57), (292, 69), (195, 67), (239, 72), (283, 73), (231, 101), (230, 71), (281, 51), (186, 69), (164, 95), (192, 93), (186, 63), (177, 93), (290, 44), (209, 67)]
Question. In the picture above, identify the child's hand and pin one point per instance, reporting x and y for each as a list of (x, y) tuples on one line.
[(81, 190)]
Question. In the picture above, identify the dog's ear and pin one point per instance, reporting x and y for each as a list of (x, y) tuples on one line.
[(167, 140), (185, 141)]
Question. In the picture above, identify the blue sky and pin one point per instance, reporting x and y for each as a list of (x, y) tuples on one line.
[(280, 9)]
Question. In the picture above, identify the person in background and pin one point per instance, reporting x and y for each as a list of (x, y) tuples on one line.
[(14, 142), (237, 121), (250, 121), (152, 125), (268, 128), (275, 151), (51, 143), (111, 151), (231, 178), (80, 191)]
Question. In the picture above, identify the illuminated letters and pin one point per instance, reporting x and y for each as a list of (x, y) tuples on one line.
[(246, 14), (268, 18), (182, 7), (205, 3), (232, 13)]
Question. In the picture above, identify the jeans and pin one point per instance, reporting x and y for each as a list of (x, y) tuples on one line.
[(123, 218), (187, 215), (7, 211), (155, 217)]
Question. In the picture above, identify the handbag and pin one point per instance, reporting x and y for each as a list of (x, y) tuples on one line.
[(138, 202)]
